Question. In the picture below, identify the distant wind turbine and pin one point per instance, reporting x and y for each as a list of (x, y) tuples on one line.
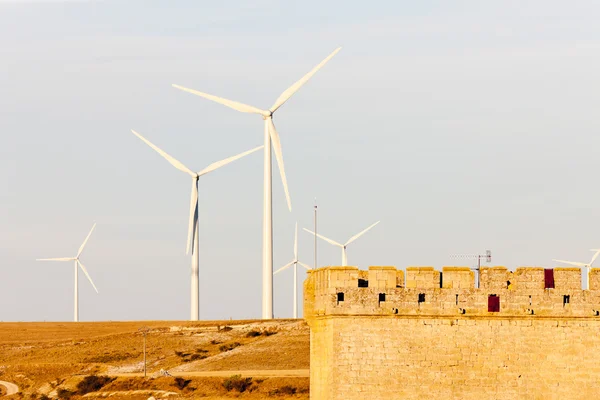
[(192, 239), (585, 266), (295, 263), (343, 246), (80, 265), (270, 136)]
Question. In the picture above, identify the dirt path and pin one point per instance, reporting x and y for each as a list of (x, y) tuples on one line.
[(11, 388), (265, 373)]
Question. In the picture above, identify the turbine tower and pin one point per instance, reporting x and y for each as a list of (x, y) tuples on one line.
[(192, 239), (295, 263), (270, 137), (80, 265), (343, 246), (585, 282)]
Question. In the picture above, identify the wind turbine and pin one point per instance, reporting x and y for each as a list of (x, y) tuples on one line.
[(343, 246), (270, 136), (80, 265), (588, 266), (295, 263), (192, 239)]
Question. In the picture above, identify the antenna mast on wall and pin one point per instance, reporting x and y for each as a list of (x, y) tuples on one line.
[(487, 256), (315, 267)]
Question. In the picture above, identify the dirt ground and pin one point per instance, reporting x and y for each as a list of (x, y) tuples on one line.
[(52, 358)]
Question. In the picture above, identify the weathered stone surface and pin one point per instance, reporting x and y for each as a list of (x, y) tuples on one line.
[(538, 346)]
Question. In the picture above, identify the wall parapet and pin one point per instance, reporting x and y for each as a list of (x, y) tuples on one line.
[(427, 291)]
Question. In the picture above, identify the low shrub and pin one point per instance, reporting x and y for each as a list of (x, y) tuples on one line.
[(181, 383), (284, 390), (215, 342), (253, 334), (236, 382), (93, 383), (64, 394), (195, 357), (230, 346)]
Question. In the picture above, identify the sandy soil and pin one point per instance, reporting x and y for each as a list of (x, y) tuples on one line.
[(46, 357)]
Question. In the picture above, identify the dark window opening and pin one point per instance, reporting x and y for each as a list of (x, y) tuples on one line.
[(421, 297), (381, 297), (548, 279), (456, 299), (441, 280), (493, 303), (529, 299), (363, 283), (566, 299), (340, 297)]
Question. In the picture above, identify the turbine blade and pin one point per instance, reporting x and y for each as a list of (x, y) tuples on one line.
[(595, 256), (226, 161), (294, 88), (279, 156), (56, 259), (284, 267), (193, 217), (296, 243), (324, 238), (177, 164), (353, 238), (577, 264), (304, 265), (88, 275), (229, 103), (85, 241)]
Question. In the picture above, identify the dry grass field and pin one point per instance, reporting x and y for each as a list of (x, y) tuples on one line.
[(54, 359)]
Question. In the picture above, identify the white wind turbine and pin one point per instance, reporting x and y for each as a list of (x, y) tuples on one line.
[(295, 263), (343, 246), (587, 267), (192, 239), (270, 136), (80, 265)]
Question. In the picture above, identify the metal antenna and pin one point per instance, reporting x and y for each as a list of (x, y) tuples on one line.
[(487, 256), (144, 331), (315, 233)]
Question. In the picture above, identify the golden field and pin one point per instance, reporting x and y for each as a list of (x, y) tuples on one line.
[(51, 359)]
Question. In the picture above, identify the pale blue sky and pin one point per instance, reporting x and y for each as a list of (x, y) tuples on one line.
[(461, 125)]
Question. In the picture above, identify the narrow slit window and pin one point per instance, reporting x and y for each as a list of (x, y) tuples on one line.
[(363, 283), (456, 299), (421, 297), (529, 299), (340, 297), (566, 299), (493, 303)]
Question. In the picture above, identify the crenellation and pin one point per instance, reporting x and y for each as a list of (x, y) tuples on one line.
[(567, 278), (422, 278)]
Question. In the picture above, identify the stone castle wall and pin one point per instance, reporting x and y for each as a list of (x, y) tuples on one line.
[(379, 334)]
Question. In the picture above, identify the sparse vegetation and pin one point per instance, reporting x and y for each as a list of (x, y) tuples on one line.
[(181, 383), (230, 346), (236, 382), (47, 357), (255, 333), (64, 394), (284, 390), (92, 383)]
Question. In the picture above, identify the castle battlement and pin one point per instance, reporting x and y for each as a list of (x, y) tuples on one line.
[(427, 291), (388, 334)]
